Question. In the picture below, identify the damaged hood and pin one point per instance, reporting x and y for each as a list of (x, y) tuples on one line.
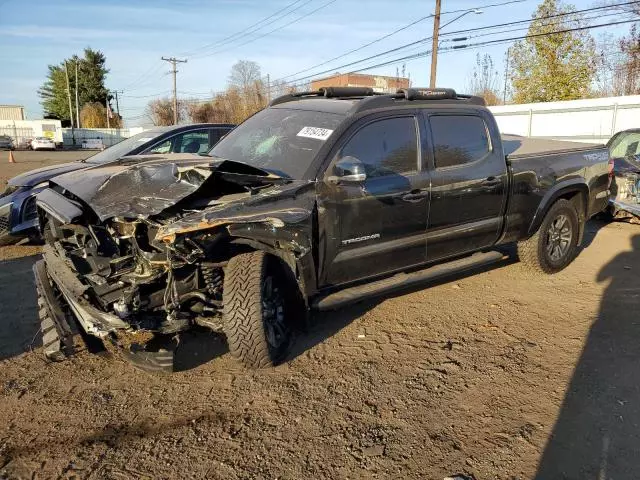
[(277, 205), (139, 187)]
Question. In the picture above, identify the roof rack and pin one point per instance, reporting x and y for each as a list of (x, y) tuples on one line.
[(373, 99), (327, 92)]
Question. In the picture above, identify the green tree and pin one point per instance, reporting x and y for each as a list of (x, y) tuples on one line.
[(550, 66), (91, 89)]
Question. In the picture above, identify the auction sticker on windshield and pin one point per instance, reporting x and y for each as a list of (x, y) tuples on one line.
[(315, 132)]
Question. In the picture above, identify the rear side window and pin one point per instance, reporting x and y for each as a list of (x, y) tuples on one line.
[(386, 147), (458, 139), (215, 134)]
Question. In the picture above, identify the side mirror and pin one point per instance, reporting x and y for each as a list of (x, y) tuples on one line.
[(348, 170)]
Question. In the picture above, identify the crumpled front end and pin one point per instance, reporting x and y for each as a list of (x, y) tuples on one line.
[(625, 198), (127, 280)]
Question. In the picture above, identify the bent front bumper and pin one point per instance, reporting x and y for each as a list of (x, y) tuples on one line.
[(93, 321), (51, 275)]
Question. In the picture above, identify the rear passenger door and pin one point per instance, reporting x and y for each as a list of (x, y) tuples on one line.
[(469, 183), (377, 225)]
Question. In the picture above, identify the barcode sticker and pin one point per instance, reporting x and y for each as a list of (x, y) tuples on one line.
[(315, 132)]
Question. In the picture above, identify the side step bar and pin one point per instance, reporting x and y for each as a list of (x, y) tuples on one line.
[(402, 281)]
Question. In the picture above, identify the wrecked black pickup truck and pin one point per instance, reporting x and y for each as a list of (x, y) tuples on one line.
[(321, 199)]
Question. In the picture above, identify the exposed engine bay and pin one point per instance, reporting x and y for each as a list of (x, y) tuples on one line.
[(145, 249), (626, 198)]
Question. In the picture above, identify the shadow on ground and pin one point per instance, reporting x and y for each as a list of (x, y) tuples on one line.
[(198, 347), (323, 325), (19, 325), (597, 434)]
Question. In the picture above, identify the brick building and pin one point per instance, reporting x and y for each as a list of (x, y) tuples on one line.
[(379, 83)]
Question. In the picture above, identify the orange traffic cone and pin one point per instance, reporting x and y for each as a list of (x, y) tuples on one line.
[(11, 159)]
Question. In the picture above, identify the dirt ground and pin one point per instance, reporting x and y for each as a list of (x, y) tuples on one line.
[(503, 374)]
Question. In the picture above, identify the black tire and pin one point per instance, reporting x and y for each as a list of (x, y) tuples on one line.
[(555, 244), (255, 319)]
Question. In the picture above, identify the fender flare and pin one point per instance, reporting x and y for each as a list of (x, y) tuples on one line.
[(574, 185), (302, 267)]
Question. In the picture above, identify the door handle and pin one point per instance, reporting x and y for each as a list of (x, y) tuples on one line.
[(491, 182), (414, 196)]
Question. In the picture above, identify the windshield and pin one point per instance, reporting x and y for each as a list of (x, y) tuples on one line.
[(283, 141), (123, 148)]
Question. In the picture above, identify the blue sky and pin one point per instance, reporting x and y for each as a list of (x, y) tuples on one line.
[(134, 35)]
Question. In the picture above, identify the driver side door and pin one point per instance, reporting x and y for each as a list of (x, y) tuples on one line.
[(375, 225)]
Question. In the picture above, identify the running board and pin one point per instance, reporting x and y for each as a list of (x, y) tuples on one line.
[(402, 281)]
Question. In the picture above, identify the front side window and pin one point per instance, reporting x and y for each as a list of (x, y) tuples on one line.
[(164, 147), (385, 147), (192, 142), (458, 139)]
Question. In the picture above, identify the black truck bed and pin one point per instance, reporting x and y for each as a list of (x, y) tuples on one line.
[(518, 147)]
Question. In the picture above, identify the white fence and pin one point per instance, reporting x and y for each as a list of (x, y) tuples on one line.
[(108, 136), (20, 135), (590, 120)]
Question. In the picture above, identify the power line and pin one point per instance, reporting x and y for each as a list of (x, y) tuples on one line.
[(480, 44), (556, 15), (423, 40), (235, 35), (269, 32), (526, 27), (405, 27), (165, 92), (152, 69)]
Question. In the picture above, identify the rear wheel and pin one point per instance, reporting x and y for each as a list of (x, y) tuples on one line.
[(256, 313), (555, 244)]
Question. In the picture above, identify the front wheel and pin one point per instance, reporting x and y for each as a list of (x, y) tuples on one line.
[(555, 244), (256, 314)]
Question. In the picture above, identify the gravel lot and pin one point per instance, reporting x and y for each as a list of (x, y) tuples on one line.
[(504, 374)]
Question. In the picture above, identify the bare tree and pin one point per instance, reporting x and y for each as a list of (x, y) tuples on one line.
[(243, 74), (618, 65), (484, 80), (160, 111)]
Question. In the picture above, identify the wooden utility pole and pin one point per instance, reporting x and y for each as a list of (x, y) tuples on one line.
[(173, 61), (117, 104), (108, 109), (268, 88), (77, 105), (506, 76), (66, 71), (434, 47)]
